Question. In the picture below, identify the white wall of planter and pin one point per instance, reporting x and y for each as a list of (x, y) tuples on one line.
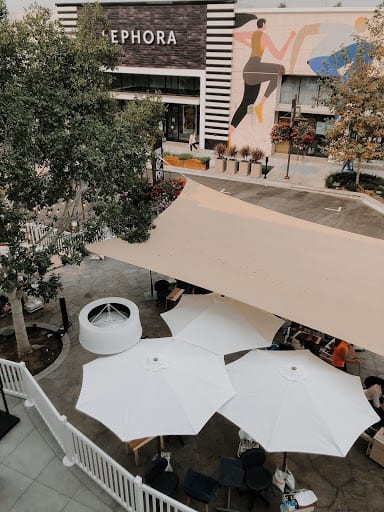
[(109, 325)]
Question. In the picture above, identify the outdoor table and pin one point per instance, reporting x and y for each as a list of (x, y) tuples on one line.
[(231, 475)]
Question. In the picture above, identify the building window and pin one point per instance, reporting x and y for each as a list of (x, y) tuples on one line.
[(177, 85), (308, 90)]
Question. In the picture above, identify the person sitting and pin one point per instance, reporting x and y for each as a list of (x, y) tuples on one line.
[(343, 353)]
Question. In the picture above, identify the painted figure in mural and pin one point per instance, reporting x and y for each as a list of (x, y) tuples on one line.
[(335, 50), (255, 71)]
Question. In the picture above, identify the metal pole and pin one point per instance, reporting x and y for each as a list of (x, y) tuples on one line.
[(291, 123)]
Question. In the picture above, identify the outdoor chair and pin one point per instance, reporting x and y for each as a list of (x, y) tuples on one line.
[(256, 478), (162, 288), (199, 487), (163, 481)]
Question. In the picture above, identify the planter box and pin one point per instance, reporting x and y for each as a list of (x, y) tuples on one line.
[(244, 168), (255, 170), (282, 147), (173, 160), (232, 166), (195, 163), (220, 165)]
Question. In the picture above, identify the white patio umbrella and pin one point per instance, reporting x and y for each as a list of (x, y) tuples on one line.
[(158, 387), (295, 402), (220, 324)]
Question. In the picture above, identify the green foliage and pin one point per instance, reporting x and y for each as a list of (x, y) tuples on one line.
[(204, 159), (185, 156), (357, 101), (71, 161), (347, 180)]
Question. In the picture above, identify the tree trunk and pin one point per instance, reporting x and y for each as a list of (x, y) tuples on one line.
[(358, 170), (23, 345)]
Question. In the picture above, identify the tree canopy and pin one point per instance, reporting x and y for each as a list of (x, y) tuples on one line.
[(72, 160), (357, 101)]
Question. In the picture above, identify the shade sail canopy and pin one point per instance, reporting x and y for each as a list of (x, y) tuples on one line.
[(221, 325), (328, 279), (157, 387), (295, 402)]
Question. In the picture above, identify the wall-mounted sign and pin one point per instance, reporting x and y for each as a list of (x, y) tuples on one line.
[(143, 37), (159, 36)]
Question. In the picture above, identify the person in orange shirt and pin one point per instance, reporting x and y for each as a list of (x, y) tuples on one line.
[(343, 353)]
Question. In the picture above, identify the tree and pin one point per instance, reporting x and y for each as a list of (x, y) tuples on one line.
[(71, 162), (356, 99)]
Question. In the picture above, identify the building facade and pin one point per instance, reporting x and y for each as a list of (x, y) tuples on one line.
[(223, 72)]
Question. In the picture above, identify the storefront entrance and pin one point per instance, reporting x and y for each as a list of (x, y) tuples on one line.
[(180, 121)]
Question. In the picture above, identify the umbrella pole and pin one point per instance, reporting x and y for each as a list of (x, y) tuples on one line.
[(150, 275), (159, 446), (284, 466)]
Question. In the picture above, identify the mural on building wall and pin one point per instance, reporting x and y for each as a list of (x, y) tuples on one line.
[(337, 47), (285, 45), (256, 71)]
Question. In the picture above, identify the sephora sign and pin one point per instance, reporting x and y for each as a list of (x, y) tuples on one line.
[(162, 36), (143, 37)]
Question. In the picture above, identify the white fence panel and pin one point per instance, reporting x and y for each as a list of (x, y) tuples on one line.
[(99, 466), (46, 409), (155, 501), (12, 378)]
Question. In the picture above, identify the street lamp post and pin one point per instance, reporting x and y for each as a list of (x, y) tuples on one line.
[(291, 122)]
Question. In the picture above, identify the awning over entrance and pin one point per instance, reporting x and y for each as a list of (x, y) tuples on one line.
[(325, 278)]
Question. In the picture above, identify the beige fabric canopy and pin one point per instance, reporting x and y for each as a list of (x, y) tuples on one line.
[(325, 278)]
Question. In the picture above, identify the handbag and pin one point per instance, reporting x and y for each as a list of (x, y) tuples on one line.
[(283, 478)]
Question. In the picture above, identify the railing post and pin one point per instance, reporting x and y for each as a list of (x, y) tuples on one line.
[(138, 490), (26, 386), (69, 449)]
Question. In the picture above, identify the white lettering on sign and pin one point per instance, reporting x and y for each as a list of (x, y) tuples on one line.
[(143, 37)]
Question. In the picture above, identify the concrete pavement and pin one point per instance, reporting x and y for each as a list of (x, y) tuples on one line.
[(32, 476)]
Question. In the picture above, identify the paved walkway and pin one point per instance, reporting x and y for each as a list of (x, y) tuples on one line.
[(32, 477)]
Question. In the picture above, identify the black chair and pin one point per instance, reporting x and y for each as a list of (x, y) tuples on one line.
[(256, 478), (163, 481), (231, 475), (371, 380), (162, 288), (199, 487)]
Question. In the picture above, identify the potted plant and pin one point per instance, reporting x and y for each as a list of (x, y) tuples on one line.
[(257, 154), (220, 162), (280, 136), (198, 164), (232, 163), (174, 160), (244, 164), (302, 136)]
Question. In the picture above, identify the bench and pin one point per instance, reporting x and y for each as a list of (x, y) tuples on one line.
[(136, 444), (174, 296)]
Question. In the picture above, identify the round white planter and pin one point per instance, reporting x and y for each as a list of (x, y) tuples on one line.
[(109, 325)]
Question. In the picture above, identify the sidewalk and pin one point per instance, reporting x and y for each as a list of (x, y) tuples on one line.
[(305, 172), (33, 477)]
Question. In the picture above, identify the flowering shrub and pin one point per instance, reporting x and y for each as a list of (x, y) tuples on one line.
[(302, 134), (165, 192), (280, 132)]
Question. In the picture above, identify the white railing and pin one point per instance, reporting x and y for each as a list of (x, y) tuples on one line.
[(41, 236), (128, 490)]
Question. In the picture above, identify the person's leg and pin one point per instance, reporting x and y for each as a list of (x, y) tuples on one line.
[(266, 72), (250, 94)]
